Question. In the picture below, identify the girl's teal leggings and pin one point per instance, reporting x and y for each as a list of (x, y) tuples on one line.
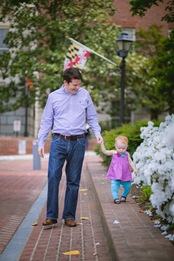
[(115, 185)]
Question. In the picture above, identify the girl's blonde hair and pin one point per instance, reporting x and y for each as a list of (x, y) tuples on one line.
[(123, 139)]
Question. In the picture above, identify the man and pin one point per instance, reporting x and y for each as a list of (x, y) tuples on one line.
[(67, 110)]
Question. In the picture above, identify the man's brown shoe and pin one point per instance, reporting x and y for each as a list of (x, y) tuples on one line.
[(70, 223), (49, 223)]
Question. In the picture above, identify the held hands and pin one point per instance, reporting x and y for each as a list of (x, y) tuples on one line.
[(99, 140)]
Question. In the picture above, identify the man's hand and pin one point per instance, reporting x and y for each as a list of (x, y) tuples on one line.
[(41, 152), (99, 139)]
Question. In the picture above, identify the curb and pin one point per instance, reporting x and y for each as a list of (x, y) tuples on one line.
[(106, 230)]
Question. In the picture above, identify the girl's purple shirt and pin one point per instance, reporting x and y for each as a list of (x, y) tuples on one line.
[(119, 168)]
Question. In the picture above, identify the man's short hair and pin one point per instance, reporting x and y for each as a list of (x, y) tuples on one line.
[(72, 73)]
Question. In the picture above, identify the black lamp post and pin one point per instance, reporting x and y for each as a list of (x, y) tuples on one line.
[(124, 44), (26, 111)]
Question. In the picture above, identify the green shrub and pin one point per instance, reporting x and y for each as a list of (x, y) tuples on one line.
[(146, 193)]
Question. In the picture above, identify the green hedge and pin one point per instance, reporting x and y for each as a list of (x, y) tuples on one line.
[(132, 132)]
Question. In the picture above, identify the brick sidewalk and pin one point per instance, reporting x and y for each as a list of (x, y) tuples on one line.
[(105, 232), (20, 186), (87, 237)]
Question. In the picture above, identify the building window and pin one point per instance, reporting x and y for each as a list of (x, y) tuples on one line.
[(3, 46)]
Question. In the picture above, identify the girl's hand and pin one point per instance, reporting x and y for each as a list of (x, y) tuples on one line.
[(135, 171)]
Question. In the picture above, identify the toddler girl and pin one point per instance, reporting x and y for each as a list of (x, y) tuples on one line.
[(119, 171)]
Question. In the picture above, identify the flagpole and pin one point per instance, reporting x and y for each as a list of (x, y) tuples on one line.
[(90, 50)]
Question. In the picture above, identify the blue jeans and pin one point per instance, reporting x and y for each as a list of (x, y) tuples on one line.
[(115, 185), (73, 153)]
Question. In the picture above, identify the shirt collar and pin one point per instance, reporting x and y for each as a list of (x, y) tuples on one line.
[(63, 87)]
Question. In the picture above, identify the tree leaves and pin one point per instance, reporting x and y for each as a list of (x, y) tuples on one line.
[(38, 41)]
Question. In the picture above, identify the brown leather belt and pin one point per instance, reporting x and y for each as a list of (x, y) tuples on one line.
[(74, 137)]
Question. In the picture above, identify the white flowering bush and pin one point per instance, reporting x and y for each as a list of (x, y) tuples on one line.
[(154, 159)]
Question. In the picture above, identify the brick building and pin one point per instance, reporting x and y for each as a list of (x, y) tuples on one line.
[(124, 18)]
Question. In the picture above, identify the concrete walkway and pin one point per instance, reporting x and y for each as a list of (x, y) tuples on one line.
[(105, 232)]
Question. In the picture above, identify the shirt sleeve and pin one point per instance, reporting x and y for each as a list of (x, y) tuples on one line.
[(46, 122), (92, 118)]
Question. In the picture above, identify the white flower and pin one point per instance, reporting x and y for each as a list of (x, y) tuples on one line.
[(170, 237), (148, 212), (164, 228), (154, 160)]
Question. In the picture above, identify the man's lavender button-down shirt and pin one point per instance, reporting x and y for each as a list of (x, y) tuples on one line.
[(67, 114)]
